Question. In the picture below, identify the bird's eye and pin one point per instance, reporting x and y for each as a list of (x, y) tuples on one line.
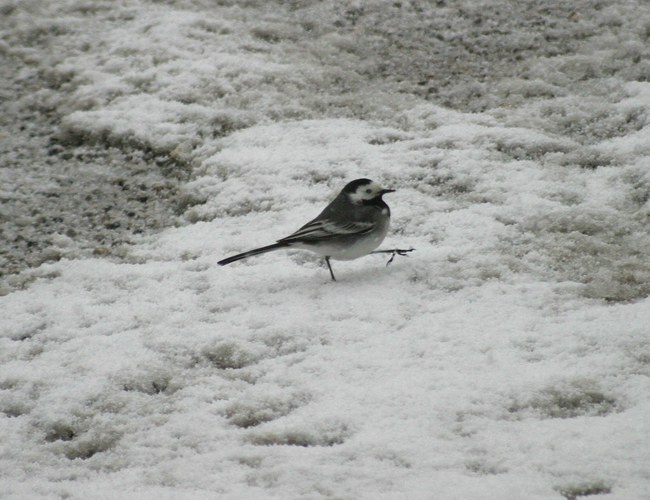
[(368, 190)]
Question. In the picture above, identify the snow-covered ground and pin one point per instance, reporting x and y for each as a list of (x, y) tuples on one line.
[(508, 357)]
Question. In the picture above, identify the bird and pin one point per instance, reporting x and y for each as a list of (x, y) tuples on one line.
[(351, 226)]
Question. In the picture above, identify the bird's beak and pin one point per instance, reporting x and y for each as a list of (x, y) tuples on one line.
[(384, 191)]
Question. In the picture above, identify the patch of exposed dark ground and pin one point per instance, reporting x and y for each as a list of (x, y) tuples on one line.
[(68, 200)]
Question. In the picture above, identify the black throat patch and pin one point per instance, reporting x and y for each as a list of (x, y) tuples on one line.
[(376, 202)]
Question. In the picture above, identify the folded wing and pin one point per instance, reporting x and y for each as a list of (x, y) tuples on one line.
[(326, 229)]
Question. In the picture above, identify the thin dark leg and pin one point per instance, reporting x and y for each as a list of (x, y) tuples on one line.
[(327, 259), (394, 251)]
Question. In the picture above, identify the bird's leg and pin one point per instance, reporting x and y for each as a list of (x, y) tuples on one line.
[(327, 259), (394, 252)]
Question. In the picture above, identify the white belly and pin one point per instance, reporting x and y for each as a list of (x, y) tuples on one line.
[(351, 250)]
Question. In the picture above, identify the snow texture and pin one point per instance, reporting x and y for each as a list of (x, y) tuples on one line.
[(508, 357)]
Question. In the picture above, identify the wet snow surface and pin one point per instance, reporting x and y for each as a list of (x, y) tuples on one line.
[(507, 358)]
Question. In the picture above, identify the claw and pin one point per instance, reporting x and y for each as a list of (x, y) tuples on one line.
[(395, 251)]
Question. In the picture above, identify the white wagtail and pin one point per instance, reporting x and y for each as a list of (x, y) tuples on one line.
[(351, 226)]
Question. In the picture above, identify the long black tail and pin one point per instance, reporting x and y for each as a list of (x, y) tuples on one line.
[(250, 253)]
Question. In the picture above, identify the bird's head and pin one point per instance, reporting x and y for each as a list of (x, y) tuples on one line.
[(364, 191)]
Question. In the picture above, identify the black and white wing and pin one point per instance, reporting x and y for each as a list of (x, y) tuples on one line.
[(324, 229)]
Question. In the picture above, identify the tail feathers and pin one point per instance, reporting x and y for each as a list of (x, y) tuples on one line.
[(250, 253)]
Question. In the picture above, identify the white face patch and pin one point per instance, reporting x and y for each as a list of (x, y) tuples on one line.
[(366, 192)]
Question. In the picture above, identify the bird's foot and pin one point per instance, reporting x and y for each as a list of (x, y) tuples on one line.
[(394, 252)]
